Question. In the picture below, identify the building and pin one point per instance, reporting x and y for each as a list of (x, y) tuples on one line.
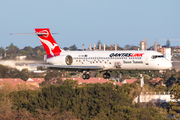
[(167, 53), (143, 44), (161, 50), (35, 81), (90, 80), (154, 97), (12, 81), (21, 57), (129, 81), (155, 80)]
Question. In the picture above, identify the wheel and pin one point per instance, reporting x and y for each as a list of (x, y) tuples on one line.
[(85, 76), (106, 75)]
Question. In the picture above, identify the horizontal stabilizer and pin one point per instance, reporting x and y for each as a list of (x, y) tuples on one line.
[(30, 33)]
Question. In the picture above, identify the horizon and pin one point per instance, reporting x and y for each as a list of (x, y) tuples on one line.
[(92, 45)]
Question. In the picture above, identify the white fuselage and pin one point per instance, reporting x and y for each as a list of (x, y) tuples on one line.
[(115, 60)]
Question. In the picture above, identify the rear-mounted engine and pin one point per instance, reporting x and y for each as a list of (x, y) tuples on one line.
[(69, 60)]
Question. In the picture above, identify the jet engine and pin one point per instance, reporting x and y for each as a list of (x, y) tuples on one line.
[(61, 60), (68, 60)]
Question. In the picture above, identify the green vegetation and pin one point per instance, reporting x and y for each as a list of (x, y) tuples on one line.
[(88, 101), (68, 100), (8, 72), (37, 53), (92, 101)]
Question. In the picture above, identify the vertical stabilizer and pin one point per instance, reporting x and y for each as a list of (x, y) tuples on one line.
[(51, 47)]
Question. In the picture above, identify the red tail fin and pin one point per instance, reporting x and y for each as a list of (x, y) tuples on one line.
[(50, 45)]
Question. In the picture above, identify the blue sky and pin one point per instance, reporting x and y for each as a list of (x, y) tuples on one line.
[(87, 21)]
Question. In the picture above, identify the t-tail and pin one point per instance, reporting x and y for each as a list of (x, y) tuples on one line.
[(51, 47)]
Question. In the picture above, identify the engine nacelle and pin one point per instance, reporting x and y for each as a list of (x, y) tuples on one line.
[(61, 60), (69, 60)]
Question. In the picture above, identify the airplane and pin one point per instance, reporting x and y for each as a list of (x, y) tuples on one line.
[(102, 61)]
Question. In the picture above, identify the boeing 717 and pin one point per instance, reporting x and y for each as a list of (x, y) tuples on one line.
[(103, 61)]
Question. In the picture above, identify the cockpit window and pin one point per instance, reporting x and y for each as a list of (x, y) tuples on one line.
[(157, 56)]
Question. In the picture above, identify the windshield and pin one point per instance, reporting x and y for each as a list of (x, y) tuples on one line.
[(157, 56)]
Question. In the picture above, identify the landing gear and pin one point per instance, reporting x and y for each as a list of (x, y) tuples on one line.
[(86, 75), (106, 75)]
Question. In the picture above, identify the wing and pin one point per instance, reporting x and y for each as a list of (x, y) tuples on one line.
[(65, 67)]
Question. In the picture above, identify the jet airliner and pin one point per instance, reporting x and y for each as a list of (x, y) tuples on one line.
[(103, 61)]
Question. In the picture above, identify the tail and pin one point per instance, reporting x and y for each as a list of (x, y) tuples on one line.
[(51, 47)]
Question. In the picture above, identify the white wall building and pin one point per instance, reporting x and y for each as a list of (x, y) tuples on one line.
[(167, 53), (154, 97)]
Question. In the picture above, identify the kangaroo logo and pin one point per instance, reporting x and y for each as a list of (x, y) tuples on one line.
[(48, 42), (50, 45), (45, 31)]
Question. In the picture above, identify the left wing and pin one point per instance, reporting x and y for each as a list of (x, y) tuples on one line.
[(65, 67)]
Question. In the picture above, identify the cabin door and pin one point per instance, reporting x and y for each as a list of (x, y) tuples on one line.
[(147, 60)]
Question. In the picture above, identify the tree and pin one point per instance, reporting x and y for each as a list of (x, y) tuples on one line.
[(23, 52), (52, 74), (91, 101), (49, 76), (98, 74), (151, 48), (160, 88), (38, 49), (70, 82), (168, 43), (134, 47), (101, 116), (24, 74), (73, 47), (99, 42), (59, 81), (119, 48), (8, 72), (12, 49), (2, 51), (29, 50), (176, 91), (107, 47), (127, 47), (65, 48)]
